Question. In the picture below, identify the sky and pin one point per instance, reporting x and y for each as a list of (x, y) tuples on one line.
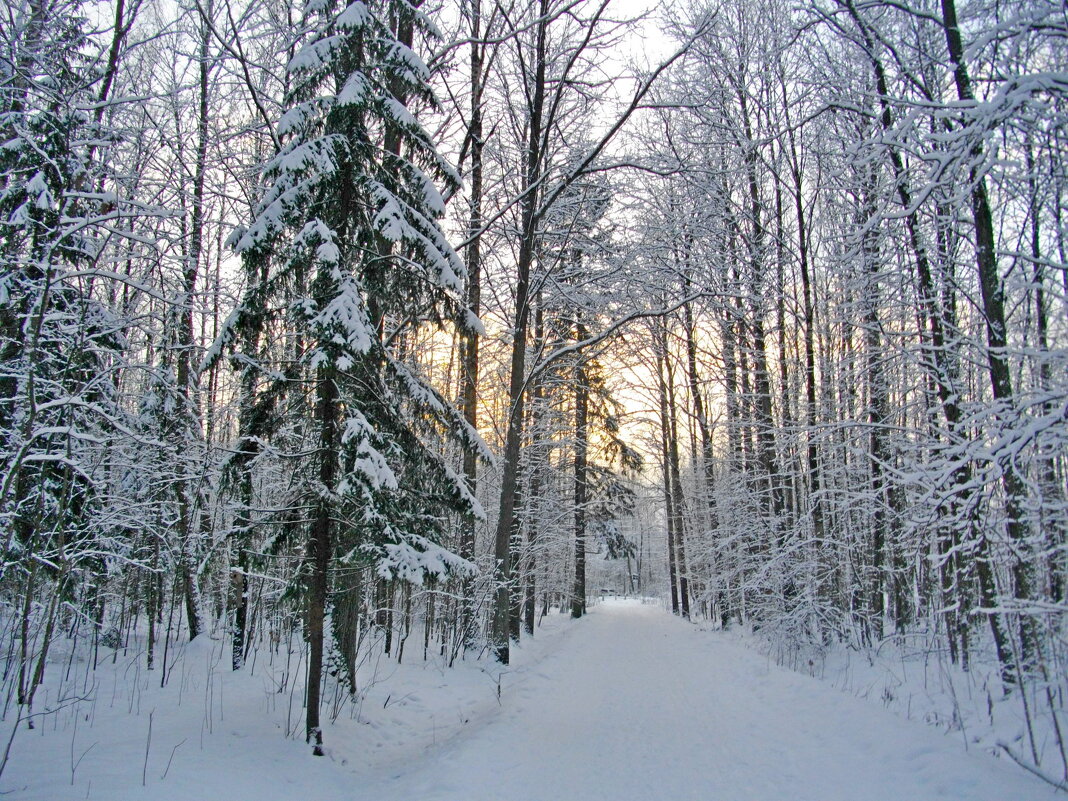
[(646, 45)]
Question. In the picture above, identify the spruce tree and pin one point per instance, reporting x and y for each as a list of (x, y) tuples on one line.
[(58, 343), (345, 256)]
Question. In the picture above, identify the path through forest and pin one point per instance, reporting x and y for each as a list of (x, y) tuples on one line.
[(636, 704)]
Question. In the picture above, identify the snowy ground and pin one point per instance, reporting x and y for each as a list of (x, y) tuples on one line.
[(640, 705), (629, 703), (913, 676)]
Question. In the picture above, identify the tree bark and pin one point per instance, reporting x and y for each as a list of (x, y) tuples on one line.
[(320, 545), (470, 342), (992, 293), (582, 400), (499, 630)]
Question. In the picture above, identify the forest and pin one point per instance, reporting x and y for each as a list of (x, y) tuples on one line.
[(327, 324)]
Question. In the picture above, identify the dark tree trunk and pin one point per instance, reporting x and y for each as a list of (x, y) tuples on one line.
[(678, 501), (536, 467), (319, 547), (470, 343), (993, 297), (941, 368), (186, 377), (670, 513), (499, 630), (582, 399)]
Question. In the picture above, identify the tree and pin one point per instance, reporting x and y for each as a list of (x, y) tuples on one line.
[(559, 47), (346, 245), (58, 344)]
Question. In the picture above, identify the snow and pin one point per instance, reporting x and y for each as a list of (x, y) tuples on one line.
[(428, 398), (346, 316), (431, 196), (388, 222), (315, 230), (21, 215), (460, 485), (401, 115), (368, 463), (355, 16), (317, 155), (355, 90), (38, 185), (641, 705), (302, 114), (315, 55), (418, 72), (628, 703), (418, 558), (916, 679), (328, 252), (226, 336)]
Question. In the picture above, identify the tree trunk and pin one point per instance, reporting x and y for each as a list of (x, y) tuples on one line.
[(943, 374), (993, 297), (470, 342), (320, 545), (670, 513), (499, 629), (186, 377), (582, 399), (678, 502), (536, 466)]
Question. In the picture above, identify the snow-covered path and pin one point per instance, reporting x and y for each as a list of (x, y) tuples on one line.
[(635, 704)]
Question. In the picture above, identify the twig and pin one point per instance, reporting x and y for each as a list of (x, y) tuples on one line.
[(1032, 768), (164, 776), (11, 739), (74, 763), (74, 767), (148, 745)]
